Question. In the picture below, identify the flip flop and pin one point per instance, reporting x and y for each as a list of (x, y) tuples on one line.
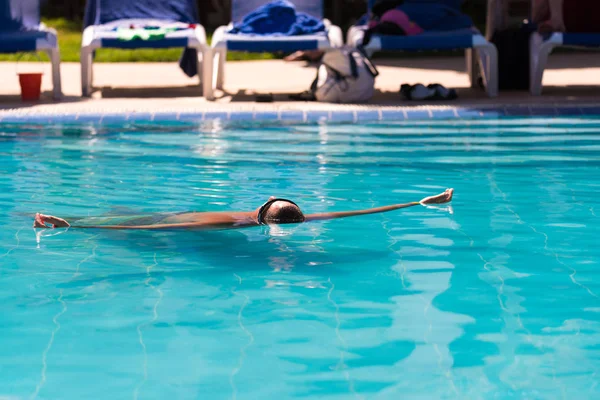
[(420, 92), (416, 92), (443, 93)]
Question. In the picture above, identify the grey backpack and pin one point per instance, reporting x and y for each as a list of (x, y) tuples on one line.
[(346, 75)]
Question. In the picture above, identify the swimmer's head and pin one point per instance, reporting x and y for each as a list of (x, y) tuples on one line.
[(279, 211)]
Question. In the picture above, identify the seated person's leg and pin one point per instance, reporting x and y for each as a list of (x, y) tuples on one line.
[(540, 11), (556, 15), (548, 14)]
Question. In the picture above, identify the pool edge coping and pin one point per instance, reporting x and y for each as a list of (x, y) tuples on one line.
[(349, 114)]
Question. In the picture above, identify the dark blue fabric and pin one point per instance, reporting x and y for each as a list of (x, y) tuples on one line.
[(99, 12), (15, 42), (270, 46), (436, 16), (278, 18), (462, 39), (456, 4), (145, 44), (17, 15), (241, 8), (581, 39)]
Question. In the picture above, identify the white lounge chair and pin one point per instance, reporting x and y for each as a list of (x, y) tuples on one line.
[(104, 17), (541, 46), (21, 31), (222, 41), (479, 52)]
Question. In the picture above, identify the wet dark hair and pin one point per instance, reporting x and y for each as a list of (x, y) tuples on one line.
[(287, 214)]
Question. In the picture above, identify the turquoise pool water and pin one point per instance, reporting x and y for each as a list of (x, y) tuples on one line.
[(495, 296)]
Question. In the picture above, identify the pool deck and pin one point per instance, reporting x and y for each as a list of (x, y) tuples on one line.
[(127, 88)]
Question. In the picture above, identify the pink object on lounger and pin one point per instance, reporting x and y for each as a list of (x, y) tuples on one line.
[(401, 19)]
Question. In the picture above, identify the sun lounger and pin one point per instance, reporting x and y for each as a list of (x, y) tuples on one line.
[(177, 22), (541, 46), (477, 48), (21, 31), (222, 40)]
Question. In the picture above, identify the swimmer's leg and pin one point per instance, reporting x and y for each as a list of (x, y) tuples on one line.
[(123, 220)]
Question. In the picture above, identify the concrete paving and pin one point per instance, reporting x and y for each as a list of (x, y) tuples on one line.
[(152, 87)]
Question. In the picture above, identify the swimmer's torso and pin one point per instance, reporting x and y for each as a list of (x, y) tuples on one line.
[(210, 218)]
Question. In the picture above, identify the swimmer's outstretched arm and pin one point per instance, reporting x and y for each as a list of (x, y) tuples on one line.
[(438, 199)]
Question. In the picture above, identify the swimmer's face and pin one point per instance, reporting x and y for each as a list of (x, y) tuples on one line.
[(280, 212)]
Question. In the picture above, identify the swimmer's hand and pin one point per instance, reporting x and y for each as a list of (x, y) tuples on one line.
[(42, 220), (441, 198)]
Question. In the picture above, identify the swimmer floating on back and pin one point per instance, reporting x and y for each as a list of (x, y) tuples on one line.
[(275, 211)]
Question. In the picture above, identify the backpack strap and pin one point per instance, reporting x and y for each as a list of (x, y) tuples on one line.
[(368, 63), (353, 65)]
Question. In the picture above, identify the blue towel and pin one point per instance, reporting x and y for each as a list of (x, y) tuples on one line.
[(436, 16), (278, 18)]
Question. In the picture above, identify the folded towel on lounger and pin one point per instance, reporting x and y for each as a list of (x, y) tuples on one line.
[(278, 18)]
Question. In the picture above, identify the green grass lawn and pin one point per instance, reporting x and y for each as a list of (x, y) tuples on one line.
[(69, 39)]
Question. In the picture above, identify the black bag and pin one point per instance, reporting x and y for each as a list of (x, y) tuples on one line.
[(513, 57)]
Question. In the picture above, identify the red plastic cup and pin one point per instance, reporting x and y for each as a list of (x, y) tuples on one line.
[(31, 86)]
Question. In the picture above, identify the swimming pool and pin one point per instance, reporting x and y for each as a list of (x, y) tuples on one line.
[(494, 296)]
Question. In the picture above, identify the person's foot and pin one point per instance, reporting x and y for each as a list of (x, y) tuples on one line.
[(440, 198)]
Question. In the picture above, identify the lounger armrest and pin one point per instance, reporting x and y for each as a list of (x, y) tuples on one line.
[(218, 36), (199, 41), (45, 28), (335, 35), (200, 33), (555, 38), (87, 38), (355, 35)]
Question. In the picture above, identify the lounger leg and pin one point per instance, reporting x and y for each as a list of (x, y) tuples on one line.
[(200, 66), (207, 73), (539, 50), (492, 71), (222, 58), (54, 55), (86, 72), (471, 59), (488, 61)]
